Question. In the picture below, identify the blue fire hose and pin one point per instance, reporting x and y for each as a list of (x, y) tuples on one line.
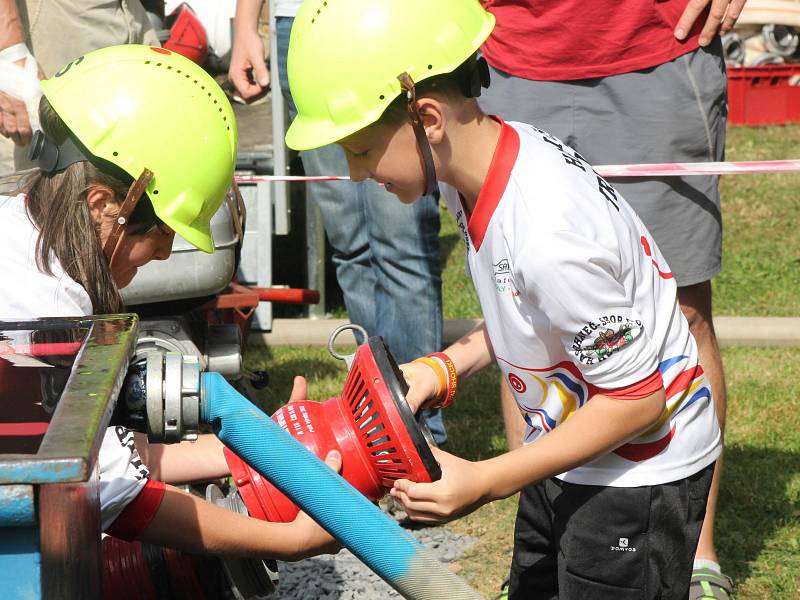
[(331, 501)]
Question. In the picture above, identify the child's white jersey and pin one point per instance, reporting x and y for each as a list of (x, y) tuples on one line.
[(28, 293), (577, 299)]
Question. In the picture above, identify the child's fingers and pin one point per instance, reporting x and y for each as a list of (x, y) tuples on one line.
[(401, 485), (415, 492), (334, 460), (425, 511), (299, 389)]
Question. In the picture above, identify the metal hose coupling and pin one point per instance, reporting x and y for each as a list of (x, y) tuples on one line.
[(161, 396)]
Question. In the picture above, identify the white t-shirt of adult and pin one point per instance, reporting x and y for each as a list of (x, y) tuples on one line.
[(577, 300), (28, 293)]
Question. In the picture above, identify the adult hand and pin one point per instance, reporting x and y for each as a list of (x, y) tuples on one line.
[(311, 538), (14, 122), (462, 489), (248, 70), (721, 18), (422, 384)]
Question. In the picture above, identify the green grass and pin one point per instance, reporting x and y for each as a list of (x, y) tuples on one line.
[(761, 243), (758, 522), (758, 525)]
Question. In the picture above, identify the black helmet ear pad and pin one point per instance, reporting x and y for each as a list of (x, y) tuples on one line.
[(476, 77)]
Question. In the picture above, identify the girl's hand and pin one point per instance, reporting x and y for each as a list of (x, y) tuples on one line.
[(311, 539), (422, 383), (462, 489), (299, 389)]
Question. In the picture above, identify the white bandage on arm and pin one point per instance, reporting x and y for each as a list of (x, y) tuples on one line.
[(21, 81)]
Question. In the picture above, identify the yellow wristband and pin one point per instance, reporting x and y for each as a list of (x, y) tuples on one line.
[(441, 376)]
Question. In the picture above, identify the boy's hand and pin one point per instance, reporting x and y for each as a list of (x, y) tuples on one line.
[(311, 538), (422, 383), (462, 489)]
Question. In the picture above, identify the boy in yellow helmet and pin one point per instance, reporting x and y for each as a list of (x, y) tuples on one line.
[(579, 304)]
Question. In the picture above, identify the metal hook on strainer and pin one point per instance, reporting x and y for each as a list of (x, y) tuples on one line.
[(347, 358)]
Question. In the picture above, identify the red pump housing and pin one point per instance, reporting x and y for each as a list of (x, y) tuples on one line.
[(370, 424)]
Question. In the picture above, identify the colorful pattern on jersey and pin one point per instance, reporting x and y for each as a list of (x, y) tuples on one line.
[(560, 390)]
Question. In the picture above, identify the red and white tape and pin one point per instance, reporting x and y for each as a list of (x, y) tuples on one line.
[(701, 168), (610, 171)]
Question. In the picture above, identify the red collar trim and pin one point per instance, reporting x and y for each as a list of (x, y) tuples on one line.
[(503, 160)]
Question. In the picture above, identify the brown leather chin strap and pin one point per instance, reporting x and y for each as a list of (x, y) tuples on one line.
[(426, 154), (131, 199)]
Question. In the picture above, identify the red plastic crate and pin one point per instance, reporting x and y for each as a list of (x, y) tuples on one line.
[(768, 95)]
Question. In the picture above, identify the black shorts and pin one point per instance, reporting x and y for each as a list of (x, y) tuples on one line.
[(585, 542)]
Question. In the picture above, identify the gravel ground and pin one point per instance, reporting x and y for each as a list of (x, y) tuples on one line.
[(344, 577)]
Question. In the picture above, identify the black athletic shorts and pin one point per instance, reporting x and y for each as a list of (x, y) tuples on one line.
[(581, 542)]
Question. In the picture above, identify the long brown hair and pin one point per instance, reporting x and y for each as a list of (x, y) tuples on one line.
[(57, 205)]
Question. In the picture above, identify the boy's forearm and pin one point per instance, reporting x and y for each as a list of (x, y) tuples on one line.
[(598, 428), (472, 352), (190, 524)]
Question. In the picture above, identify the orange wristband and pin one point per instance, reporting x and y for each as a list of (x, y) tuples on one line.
[(452, 379), (440, 374)]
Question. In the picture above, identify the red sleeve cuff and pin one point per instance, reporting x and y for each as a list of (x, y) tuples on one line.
[(135, 517), (637, 391)]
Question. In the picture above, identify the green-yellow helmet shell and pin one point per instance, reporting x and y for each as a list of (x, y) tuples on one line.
[(141, 107), (345, 56)]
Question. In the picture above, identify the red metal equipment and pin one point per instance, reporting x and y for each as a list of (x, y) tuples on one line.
[(187, 36), (766, 95), (237, 303), (370, 424)]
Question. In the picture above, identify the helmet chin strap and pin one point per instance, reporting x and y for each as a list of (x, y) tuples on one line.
[(131, 199), (431, 183)]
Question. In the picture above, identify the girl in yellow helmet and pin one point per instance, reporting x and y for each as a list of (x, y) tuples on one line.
[(148, 152)]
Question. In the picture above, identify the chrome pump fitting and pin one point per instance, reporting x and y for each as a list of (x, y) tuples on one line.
[(161, 397), (173, 397)]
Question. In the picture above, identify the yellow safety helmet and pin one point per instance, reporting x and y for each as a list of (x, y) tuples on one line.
[(345, 57), (140, 107)]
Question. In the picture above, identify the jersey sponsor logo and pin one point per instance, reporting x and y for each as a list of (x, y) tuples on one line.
[(599, 339), (503, 279)]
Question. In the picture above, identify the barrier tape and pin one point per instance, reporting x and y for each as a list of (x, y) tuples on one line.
[(610, 171)]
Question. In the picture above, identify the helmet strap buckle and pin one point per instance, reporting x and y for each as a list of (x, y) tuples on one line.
[(426, 154), (128, 205)]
